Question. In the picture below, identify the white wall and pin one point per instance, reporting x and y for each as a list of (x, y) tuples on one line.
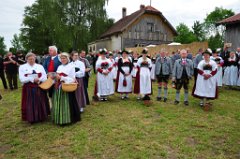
[(116, 42)]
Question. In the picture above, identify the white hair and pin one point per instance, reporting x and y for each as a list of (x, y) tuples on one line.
[(29, 55), (53, 47)]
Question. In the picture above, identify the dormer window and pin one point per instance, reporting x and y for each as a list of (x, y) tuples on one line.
[(150, 27)]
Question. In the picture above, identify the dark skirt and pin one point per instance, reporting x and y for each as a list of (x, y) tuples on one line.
[(35, 105), (65, 108), (85, 81), (80, 94)]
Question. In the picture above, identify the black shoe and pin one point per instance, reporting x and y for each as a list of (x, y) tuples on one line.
[(159, 98), (165, 100), (186, 103), (95, 98), (146, 97), (176, 102)]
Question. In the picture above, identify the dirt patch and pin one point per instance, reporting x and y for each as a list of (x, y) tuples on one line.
[(172, 153), (4, 149), (191, 141)]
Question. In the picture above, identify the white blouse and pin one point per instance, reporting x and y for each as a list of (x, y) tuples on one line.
[(140, 60), (69, 71), (28, 73), (80, 65), (211, 63), (100, 61)]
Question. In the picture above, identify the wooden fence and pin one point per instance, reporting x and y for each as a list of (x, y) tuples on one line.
[(194, 47)]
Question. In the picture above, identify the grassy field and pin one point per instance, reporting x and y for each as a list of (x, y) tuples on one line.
[(127, 129)]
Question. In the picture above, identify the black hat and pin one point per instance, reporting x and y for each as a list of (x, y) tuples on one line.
[(119, 52), (125, 51), (208, 51), (214, 51), (110, 54), (103, 51), (145, 51)]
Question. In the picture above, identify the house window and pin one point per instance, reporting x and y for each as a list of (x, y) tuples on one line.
[(165, 37), (138, 35), (150, 27), (129, 34)]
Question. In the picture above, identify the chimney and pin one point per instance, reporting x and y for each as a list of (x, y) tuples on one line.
[(142, 6), (124, 12)]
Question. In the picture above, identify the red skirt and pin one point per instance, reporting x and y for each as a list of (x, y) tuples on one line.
[(35, 104)]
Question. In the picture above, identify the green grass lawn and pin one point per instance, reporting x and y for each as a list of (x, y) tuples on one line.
[(127, 129)]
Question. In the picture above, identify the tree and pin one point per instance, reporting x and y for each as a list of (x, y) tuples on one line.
[(217, 15), (185, 35), (16, 43), (216, 33), (198, 31), (215, 41), (2, 46), (70, 24)]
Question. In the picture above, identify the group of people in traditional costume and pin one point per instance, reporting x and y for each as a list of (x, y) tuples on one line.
[(126, 69), (145, 70), (65, 107), (125, 74)]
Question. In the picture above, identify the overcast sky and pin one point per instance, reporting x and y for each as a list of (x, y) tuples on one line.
[(176, 11)]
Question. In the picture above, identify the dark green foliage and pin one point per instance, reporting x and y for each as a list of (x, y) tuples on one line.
[(2, 46), (68, 24), (185, 35)]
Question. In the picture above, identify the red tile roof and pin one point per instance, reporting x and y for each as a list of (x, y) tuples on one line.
[(120, 25), (230, 20)]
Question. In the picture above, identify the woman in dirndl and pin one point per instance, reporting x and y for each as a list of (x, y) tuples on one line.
[(79, 73), (104, 84), (230, 76), (206, 84), (124, 78), (35, 106), (220, 63), (135, 59), (65, 108), (143, 83), (114, 70)]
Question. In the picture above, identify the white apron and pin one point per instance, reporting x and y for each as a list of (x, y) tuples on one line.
[(219, 76), (238, 81), (128, 88), (134, 70), (230, 76), (206, 88), (145, 81), (153, 77), (105, 85)]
